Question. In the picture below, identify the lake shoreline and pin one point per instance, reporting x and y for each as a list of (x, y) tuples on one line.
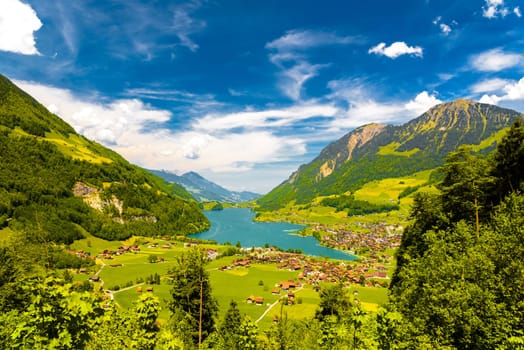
[(237, 225)]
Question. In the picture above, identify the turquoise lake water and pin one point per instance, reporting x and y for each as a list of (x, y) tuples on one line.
[(237, 225)]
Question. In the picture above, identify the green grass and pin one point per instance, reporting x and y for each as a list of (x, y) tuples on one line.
[(75, 147), (391, 150), (236, 284), (239, 284), (387, 190)]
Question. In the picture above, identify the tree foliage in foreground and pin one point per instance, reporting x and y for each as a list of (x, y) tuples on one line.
[(459, 281)]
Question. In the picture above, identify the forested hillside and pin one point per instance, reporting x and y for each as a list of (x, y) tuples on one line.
[(56, 185), (375, 151)]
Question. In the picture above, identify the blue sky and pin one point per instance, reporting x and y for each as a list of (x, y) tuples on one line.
[(243, 92)]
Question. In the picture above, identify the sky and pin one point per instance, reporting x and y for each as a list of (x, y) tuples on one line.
[(243, 92)]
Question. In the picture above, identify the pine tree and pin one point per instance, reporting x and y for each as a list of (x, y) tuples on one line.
[(191, 293)]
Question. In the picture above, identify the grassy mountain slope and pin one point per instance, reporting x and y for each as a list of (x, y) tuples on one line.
[(376, 151), (56, 185)]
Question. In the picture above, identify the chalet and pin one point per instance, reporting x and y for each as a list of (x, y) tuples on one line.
[(212, 254), (259, 300), (115, 265), (275, 291), (250, 299), (139, 289), (149, 289), (94, 278), (166, 246)]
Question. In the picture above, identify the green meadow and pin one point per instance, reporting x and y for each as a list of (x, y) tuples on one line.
[(237, 284)]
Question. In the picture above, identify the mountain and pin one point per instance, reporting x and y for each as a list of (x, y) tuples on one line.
[(58, 186), (377, 151), (204, 190)]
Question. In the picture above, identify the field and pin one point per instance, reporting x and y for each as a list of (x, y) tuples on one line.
[(130, 270), (376, 192)]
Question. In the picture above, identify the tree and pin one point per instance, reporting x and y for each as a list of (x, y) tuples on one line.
[(230, 326), (509, 160), (191, 293), (56, 318), (464, 186), (144, 328), (334, 301)]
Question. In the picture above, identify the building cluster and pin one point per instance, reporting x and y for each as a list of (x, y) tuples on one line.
[(371, 238)]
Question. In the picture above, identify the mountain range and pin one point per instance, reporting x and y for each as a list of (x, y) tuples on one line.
[(378, 151), (204, 190)]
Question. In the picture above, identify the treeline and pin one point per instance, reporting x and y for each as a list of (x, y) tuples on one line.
[(357, 207)]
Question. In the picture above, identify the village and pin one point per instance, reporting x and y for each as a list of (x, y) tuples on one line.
[(370, 239)]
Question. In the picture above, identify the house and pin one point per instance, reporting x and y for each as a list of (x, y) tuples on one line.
[(275, 291), (259, 300), (149, 289), (212, 254), (139, 289), (250, 299)]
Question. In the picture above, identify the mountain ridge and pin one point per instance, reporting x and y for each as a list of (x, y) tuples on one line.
[(392, 150), (204, 190)]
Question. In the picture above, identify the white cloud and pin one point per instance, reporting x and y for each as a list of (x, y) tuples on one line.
[(364, 109), (496, 8), (422, 102), (291, 80), (445, 29), (184, 25), (298, 40), (18, 22), (513, 91), (489, 85), (287, 53), (495, 60), (396, 49), (133, 129), (263, 119)]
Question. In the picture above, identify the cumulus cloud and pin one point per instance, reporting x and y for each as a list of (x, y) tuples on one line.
[(444, 28), (513, 91), (18, 22), (364, 108), (396, 49), (134, 130), (106, 123), (422, 102), (495, 60), (494, 9)]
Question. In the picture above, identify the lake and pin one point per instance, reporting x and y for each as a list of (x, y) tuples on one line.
[(237, 225)]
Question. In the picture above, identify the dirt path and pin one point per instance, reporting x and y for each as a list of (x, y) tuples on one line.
[(273, 305)]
